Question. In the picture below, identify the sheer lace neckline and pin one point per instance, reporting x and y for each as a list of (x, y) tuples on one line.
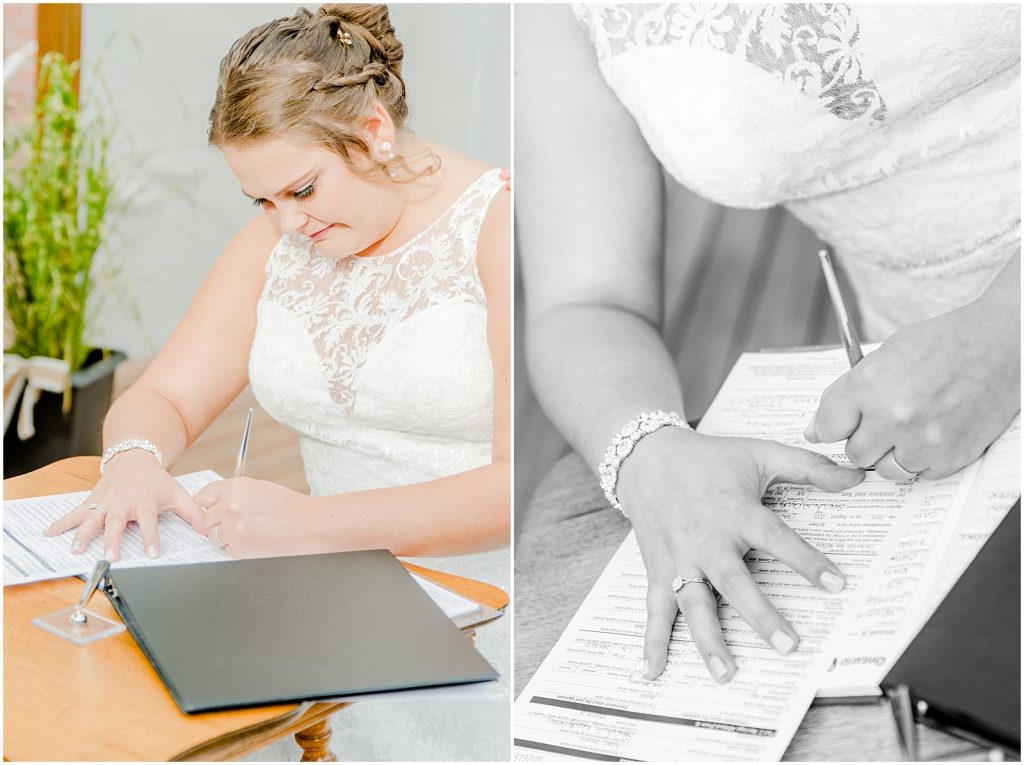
[(342, 310)]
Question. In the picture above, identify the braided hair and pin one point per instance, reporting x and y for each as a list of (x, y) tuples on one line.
[(315, 74)]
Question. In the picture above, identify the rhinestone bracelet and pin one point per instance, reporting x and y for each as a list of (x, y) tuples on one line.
[(623, 444), (127, 445)]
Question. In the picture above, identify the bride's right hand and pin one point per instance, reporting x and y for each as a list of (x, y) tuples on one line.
[(134, 487), (695, 504)]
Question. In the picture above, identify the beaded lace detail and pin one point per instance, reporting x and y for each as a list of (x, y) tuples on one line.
[(892, 131), (381, 364), (811, 47), (347, 305)]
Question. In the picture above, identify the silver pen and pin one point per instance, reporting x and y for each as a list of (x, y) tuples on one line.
[(848, 333), (243, 448), (902, 709)]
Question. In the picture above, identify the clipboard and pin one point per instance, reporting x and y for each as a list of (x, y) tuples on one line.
[(245, 633), (962, 672)]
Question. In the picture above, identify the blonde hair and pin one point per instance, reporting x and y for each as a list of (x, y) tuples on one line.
[(312, 75)]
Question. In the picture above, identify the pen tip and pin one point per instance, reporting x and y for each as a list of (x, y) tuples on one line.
[(822, 254)]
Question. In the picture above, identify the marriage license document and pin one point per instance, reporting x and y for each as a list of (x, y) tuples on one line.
[(900, 544)]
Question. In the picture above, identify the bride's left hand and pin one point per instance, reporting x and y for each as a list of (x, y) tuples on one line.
[(255, 519), (934, 396)]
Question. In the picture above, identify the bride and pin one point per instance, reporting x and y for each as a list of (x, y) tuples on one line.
[(367, 306)]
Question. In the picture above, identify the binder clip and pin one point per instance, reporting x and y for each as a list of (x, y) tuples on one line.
[(76, 624)]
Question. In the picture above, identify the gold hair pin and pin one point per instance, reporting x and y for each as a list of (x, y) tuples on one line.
[(345, 37)]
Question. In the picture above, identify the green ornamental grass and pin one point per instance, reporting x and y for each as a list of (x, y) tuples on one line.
[(56, 192)]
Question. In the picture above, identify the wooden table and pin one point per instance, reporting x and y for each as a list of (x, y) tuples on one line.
[(104, 701), (569, 535)]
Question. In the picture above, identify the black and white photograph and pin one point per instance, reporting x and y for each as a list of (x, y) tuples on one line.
[(768, 307)]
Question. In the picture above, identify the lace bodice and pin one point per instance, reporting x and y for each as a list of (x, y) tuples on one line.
[(893, 131), (381, 363)]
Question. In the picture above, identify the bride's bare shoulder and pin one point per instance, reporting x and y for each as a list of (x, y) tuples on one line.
[(458, 170)]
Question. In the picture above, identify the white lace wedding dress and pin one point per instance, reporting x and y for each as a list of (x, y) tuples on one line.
[(381, 365), (893, 131)]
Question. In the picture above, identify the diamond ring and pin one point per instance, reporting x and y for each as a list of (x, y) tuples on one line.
[(681, 581)]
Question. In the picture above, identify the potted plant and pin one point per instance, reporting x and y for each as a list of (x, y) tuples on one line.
[(57, 188)]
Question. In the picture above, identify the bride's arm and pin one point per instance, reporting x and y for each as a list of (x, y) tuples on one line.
[(590, 236), (462, 513), (193, 378)]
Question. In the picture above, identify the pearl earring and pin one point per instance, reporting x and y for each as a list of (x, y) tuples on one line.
[(385, 149)]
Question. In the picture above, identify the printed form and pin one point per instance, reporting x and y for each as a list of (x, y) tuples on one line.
[(930, 546), (31, 557), (588, 699)]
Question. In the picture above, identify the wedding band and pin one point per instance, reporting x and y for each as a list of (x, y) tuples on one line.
[(907, 474), (96, 507), (681, 581), (215, 536), (896, 462)]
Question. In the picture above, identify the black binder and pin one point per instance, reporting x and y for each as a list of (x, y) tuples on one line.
[(965, 663), (273, 630)]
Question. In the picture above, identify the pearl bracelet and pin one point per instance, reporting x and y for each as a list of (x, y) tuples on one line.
[(623, 444), (127, 445)]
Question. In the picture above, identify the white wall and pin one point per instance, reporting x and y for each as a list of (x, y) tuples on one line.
[(159, 64)]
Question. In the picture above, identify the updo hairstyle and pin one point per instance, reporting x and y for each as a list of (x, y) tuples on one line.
[(313, 75)]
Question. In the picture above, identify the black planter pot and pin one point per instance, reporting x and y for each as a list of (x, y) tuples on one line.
[(57, 436)]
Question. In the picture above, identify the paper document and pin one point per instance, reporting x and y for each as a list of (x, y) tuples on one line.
[(588, 699), (461, 610), (31, 557), (931, 544)]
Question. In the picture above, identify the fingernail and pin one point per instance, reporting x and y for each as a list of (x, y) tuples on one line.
[(647, 669), (110, 555), (151, 551), (782, 642), (718, 668), (832, 582), (76, 546)]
